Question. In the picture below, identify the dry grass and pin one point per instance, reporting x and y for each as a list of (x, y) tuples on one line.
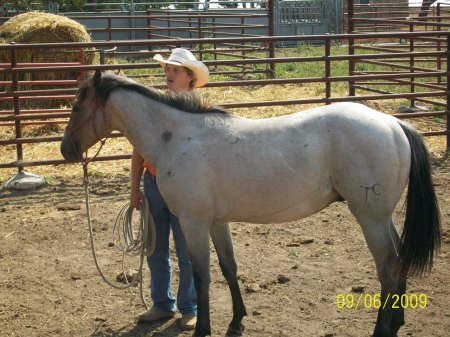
[(222, 95), (37, 27)]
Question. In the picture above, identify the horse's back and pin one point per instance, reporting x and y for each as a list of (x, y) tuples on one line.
[(285, 168), (355, 153)]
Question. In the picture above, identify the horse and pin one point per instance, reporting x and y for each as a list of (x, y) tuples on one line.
[(214, 168)]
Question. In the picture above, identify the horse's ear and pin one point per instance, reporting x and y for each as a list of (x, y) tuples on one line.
[(96, 78)]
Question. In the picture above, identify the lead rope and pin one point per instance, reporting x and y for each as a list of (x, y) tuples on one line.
[(143, 243)]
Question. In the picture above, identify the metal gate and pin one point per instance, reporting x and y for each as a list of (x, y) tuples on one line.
[(308, 17)]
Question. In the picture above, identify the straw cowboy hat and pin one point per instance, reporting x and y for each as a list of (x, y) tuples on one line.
[(183, 57)]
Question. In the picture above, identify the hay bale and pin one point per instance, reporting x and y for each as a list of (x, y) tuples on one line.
[(37, 27)]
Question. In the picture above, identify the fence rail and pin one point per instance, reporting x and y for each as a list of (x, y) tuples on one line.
[(395, 16), (400, 68)]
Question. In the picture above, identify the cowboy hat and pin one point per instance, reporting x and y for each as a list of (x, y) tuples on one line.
[(183, 57)]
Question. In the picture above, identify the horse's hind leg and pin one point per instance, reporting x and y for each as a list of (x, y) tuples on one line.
[(383, 242), (221, 237), (398, 317)]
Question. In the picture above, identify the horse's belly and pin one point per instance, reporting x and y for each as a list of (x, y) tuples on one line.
[(280, 208)]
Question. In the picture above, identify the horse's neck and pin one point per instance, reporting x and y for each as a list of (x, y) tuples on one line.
[(142, 121)]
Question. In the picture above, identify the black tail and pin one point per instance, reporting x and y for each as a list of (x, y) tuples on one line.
[(421, 236)]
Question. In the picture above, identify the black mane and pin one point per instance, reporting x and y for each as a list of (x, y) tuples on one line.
[(185, 101)]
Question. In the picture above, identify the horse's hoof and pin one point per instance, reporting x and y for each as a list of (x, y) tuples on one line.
[(231, 332)]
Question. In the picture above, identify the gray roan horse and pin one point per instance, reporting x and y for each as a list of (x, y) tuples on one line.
[(214, 168)]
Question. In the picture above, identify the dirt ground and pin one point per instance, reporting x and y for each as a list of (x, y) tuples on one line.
[(290, 273)]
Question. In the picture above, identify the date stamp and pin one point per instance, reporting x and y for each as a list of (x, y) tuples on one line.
[(374, 301)]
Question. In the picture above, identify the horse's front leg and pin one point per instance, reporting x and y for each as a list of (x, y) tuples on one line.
[(197, 239), (221, 236)]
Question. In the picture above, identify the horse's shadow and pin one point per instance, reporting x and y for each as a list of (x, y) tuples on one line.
[(167, 328)]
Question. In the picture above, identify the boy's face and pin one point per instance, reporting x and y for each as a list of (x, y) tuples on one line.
[(177, 78)]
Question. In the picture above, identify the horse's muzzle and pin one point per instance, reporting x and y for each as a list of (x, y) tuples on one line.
[(71, 150)]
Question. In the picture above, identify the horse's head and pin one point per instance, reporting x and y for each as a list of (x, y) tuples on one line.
[(87, 124)]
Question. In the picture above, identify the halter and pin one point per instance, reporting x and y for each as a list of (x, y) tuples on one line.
[(85, 161)]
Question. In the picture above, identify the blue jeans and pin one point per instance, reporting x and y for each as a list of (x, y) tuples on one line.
[(159, 263)]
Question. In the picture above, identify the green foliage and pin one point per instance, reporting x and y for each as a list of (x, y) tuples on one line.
[(439, 120), (228, 4), (438, 107), (182, 4), (160, 4), (49, 180), (67, 5), (78, 5), (310, 69), (292, 253), (95, 174)]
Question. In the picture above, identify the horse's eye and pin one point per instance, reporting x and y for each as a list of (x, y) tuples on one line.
[(75, 108)]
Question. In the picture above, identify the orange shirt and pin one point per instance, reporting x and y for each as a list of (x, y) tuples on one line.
[(150, 168)]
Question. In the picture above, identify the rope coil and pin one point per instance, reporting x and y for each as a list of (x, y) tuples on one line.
[(141, 243), (124, 237)]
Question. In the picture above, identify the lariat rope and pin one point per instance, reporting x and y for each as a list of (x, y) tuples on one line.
[(125, 240)]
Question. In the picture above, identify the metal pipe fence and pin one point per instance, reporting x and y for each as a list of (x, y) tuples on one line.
[(173, 24), (425, 82), (395, 16)]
